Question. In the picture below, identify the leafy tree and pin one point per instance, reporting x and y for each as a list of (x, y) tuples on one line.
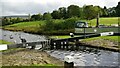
[(73, 11), (118, 9), (47, 16), (104, 12), (112, 12), (91, 12), (88, 12), (18, 20), (36, 17), (63, 12), (55, 14), (49, 26), (5, 21), (69, 23)]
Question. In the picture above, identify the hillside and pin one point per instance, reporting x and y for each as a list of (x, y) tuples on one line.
[(37, 26)]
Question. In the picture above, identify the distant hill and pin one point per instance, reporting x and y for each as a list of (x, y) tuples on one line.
[(16, 16)]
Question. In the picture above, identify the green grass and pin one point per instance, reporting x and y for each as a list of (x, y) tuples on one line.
[(35, 26), (26, 26), (62, 36), (5, 42), (112, 38), (105, 21)]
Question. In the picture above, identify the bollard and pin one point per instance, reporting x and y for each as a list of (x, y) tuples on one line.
[(68, 62), (33, 47), (71, 34)]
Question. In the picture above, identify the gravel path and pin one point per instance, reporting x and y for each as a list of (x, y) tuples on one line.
[(28, 58)]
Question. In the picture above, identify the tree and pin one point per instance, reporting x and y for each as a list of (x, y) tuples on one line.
[(69, 23), (112, 12), (118, 9), (5, 21), (36, 17), (104, 12), (49, 25), (73, 11), (88, 12), (63, 12), (55, 14), (18, 20), (47, 16), (91, 12)]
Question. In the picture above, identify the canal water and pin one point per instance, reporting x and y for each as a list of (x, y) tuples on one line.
[(15, 36), (89, 57), (84, 57)]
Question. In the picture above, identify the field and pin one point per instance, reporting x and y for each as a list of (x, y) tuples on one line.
[(35, 26), (25, 26), (105, 21)]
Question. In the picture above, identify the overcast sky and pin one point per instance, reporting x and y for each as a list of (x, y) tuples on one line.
[(21, 7)]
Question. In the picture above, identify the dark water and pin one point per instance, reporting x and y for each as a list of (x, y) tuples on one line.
[(84, 57)]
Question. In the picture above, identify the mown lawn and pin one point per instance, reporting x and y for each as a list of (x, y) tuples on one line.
[(105, 21)]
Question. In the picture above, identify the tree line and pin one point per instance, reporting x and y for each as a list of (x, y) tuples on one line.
[(87, 12)]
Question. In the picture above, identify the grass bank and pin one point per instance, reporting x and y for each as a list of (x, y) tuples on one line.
[(37, 26), (106, 42), (111, 38), (104, 21), (5, 42), (62, 36)]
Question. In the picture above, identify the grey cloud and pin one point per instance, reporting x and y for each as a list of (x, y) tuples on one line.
[(26, 8), (8, 7)]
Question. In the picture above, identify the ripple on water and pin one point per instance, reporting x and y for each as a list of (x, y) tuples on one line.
[(100, 58)]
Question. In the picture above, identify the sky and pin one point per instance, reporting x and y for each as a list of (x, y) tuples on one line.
[(23, 7)]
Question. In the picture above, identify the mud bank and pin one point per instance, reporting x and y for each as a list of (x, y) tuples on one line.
[(26, 57)]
